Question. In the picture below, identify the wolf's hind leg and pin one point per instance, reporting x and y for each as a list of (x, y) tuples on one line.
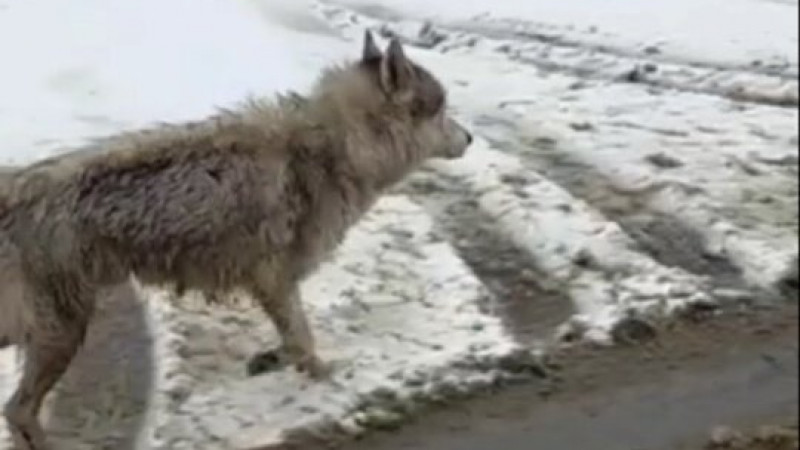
[(46, 360), (284, 306)]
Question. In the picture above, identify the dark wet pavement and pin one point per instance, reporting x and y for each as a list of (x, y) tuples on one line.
[(734, 371)]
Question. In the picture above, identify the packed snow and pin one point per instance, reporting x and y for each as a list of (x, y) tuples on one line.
[(725, 32), (642, 154)]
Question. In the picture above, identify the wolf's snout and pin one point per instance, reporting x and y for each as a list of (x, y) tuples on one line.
[(466, 136), (460, 140)]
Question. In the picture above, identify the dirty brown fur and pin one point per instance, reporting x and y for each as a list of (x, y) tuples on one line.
[(252, 198)]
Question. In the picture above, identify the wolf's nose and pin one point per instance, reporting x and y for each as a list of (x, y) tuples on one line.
[(469, 137)]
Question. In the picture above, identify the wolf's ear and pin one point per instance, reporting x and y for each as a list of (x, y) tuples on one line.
[(396, 70), (371, 51)]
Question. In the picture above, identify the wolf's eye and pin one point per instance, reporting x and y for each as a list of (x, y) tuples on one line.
[(429, 96)]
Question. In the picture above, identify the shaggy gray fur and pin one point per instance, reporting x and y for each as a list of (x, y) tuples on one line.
[(252, 198)]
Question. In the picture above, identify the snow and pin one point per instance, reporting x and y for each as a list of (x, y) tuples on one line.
[(95, 67), (557, 231), (562, 166), (628, 124), (710, 31)]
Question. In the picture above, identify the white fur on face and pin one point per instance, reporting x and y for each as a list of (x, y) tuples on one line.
[(460, 139), (443, 137)]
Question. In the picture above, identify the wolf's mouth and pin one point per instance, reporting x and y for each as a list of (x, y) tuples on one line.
[(456, 153)]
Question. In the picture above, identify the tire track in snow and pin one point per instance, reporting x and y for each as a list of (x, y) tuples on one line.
[(663, 237), (522, 32), (690, 207), (589, 258), (530, 306)]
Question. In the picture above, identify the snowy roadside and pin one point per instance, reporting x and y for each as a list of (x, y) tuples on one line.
[(631, 199), (398, 314)]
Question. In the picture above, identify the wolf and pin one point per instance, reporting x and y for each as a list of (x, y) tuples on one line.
[(254, 198)]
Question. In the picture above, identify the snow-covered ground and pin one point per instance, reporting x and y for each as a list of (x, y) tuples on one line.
[(637, 157), (74, 69), (709, 32)]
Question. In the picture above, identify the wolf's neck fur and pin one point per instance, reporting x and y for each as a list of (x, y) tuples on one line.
[(348, 151), (370, 142)]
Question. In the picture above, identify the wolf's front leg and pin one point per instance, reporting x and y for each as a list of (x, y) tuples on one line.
[(283, 305)]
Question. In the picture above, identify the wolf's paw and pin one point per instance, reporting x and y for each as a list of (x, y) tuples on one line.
[(278, 359), (266, 362), (315, 368), (28, 438)]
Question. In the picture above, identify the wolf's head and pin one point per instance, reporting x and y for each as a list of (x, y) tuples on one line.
[(398, 101), (411, 92)]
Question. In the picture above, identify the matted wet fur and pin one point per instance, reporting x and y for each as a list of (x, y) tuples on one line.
[(252, 198)]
